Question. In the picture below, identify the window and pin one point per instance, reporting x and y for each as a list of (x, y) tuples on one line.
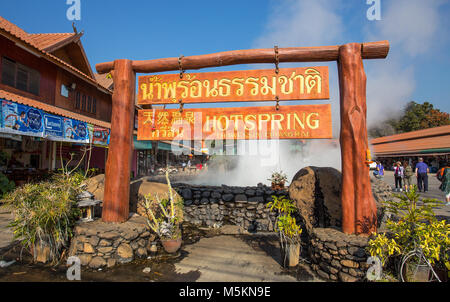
[(64, 91), (89, 104), (20, 76), (77, 100), (83, 103), (94, 105)]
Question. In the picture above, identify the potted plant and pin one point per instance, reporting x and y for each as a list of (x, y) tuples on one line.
[(288, 230), (164, 217), (278, 179)]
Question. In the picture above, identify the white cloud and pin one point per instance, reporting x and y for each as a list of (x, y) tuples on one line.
[(302, 23)]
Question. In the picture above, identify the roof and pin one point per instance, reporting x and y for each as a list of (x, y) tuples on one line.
[(104, 80), (43, 42), (48, 41), (51, 109), (428, 141)]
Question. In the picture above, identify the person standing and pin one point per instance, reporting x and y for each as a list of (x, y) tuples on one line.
[(408, 173), (379, 170), (422, 171), (444, 176), (398, 175)]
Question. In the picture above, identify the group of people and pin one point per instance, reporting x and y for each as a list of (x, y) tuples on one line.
[(403, 174)]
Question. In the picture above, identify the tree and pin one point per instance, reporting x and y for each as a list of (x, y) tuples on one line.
[(421, 116)]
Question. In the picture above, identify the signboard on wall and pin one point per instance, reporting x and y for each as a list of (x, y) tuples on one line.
[(53, 126), (75, 131), (308, 83), (21, 119), (288, 122)]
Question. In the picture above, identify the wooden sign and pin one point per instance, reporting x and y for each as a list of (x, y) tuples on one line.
[(308, 83), (288, 122)]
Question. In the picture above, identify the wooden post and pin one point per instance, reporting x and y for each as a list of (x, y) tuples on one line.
[(118, 165), (358, 206)]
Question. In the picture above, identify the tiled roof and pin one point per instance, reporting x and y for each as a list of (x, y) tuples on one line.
[(51, 109), (413, 142), (104, 80), (45, 41), (37, 41)]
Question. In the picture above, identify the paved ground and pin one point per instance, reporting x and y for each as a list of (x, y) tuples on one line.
[(6, 235), (433, 192), (232, 259)]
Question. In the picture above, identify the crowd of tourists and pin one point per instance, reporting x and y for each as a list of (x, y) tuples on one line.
[(404, 173)]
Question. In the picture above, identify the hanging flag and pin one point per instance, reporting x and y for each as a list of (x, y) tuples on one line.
[(21, 119)]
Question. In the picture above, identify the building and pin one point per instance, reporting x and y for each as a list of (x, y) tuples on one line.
[(52, 103), (432, 144)]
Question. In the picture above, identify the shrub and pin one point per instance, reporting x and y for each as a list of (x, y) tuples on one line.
[(415, 225), (46, 212)]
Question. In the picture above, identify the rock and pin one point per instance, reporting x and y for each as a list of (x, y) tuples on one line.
[(97, 262), (125, 252), (240, 198), (104, 242), (141, 252), (111, 262), (316, 193), (146, 270), (204, 201), (105, 249), (349, 263), (250, 192), (227, 197), (110, 235), (216, 195), (186, 193), (258, 199), (346, 277), (88, 248), (142, 187), (206, 194), (94, 240), (95, 185), (85, 259)]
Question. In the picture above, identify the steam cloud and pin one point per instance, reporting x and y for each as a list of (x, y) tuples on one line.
[(409, 25)]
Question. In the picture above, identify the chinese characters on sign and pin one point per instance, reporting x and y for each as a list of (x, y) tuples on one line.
[(288, 122), (309, 83)]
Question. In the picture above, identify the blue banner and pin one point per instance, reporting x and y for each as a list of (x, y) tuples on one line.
[(21, 119), (75, 131), (53, 126)]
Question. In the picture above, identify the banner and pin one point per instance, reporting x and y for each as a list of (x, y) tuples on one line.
[(21, 119), (53, 127), (75, 131), (303, 83), (286, 122), (100, 136)]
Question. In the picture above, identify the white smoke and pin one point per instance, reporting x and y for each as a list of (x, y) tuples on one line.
[(409, 25)]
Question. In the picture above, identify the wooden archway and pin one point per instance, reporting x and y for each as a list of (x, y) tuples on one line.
[(358, 206)]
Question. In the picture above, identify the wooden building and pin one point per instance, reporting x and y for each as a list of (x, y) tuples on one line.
[(51, 72)]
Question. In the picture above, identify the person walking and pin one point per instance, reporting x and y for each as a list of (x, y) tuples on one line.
[(422, 171), (398, 175), (408, 173), (444, 176)]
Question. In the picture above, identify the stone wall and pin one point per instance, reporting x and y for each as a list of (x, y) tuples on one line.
[(100, 244), (337, 256), (215, 206)]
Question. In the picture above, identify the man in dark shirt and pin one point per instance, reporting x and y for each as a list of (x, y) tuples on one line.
[(422, 171)]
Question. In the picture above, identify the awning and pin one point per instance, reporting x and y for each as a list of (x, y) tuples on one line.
[(147, 145)]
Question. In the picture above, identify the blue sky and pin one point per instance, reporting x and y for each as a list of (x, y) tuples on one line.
[(417, 68)]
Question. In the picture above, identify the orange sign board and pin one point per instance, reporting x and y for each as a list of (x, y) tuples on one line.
[(308, 83), (288, 122)]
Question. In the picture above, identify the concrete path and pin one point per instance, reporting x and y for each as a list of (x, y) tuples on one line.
[(231, 259), (442, 212), (6, 235)]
